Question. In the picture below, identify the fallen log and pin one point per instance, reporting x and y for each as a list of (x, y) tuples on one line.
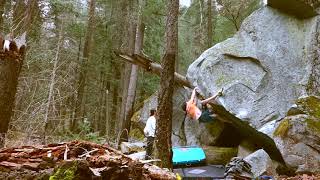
[(155, 68), (258, 139)]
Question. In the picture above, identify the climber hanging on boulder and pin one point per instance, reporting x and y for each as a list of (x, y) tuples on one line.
[(204, 114)]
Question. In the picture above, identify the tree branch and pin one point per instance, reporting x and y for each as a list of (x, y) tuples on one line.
[(152, 67)]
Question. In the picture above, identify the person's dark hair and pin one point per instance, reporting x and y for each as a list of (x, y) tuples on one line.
[(184, 106), (152, 112)]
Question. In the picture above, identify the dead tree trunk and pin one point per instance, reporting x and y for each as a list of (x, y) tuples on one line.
[(51, 87), (11, 59), (164, 109), (153, 67)]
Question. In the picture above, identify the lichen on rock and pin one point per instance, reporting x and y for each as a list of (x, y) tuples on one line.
[(282, 129)]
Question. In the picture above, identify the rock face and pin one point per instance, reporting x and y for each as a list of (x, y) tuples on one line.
[(186, 131), (260, 163), (268, 64), (298, 139), (298, 8), (298, 136)]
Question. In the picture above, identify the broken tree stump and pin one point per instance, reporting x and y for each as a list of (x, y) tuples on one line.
[(11, 59)]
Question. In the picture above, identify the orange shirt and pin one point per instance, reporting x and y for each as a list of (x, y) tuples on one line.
[(193, 111)]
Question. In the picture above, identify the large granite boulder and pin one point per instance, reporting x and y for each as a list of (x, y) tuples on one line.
[(298, 8), (297, 136), (298, 140), (260, 163), (264, 68)]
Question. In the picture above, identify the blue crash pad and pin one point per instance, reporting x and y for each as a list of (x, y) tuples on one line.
[(187, 155)]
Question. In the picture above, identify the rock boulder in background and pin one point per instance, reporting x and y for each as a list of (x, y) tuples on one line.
[(298, 8), (264, 68)]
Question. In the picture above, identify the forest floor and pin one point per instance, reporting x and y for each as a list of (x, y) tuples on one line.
[(302, 177), (83, 160), (74, 160)]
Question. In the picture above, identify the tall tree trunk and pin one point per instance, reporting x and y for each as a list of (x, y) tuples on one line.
[(102, 118), (129, 48), (2, 5), (80, 111), (51, 87), (10, 66), (31, 15), (19, 10), (128, 85), (164, 122), (133, 81), (209, 24), (116, 38), (24, 17)]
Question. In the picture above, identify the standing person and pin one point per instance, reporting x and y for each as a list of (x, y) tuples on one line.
[(204, 115), (149, 132)]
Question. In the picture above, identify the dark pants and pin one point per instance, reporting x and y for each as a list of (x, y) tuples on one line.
[(149, 147), (206, 116)]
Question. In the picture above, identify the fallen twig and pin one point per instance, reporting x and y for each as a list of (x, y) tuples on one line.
[(88, 153)]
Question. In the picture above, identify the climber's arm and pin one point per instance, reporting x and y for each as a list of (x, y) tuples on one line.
[(205, 101), (193, 95)]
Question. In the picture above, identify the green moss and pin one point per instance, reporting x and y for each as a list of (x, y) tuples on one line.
[(314, 125), (65, 172), (310, 105), (282, 129), (136, 133), (222, 80)]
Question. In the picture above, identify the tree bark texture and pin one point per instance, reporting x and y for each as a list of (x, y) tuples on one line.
[(2, 4), (209, 24), (31, 14), (129, 47), (118, 16), (79, 111), (164, 122), (10, 65)]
